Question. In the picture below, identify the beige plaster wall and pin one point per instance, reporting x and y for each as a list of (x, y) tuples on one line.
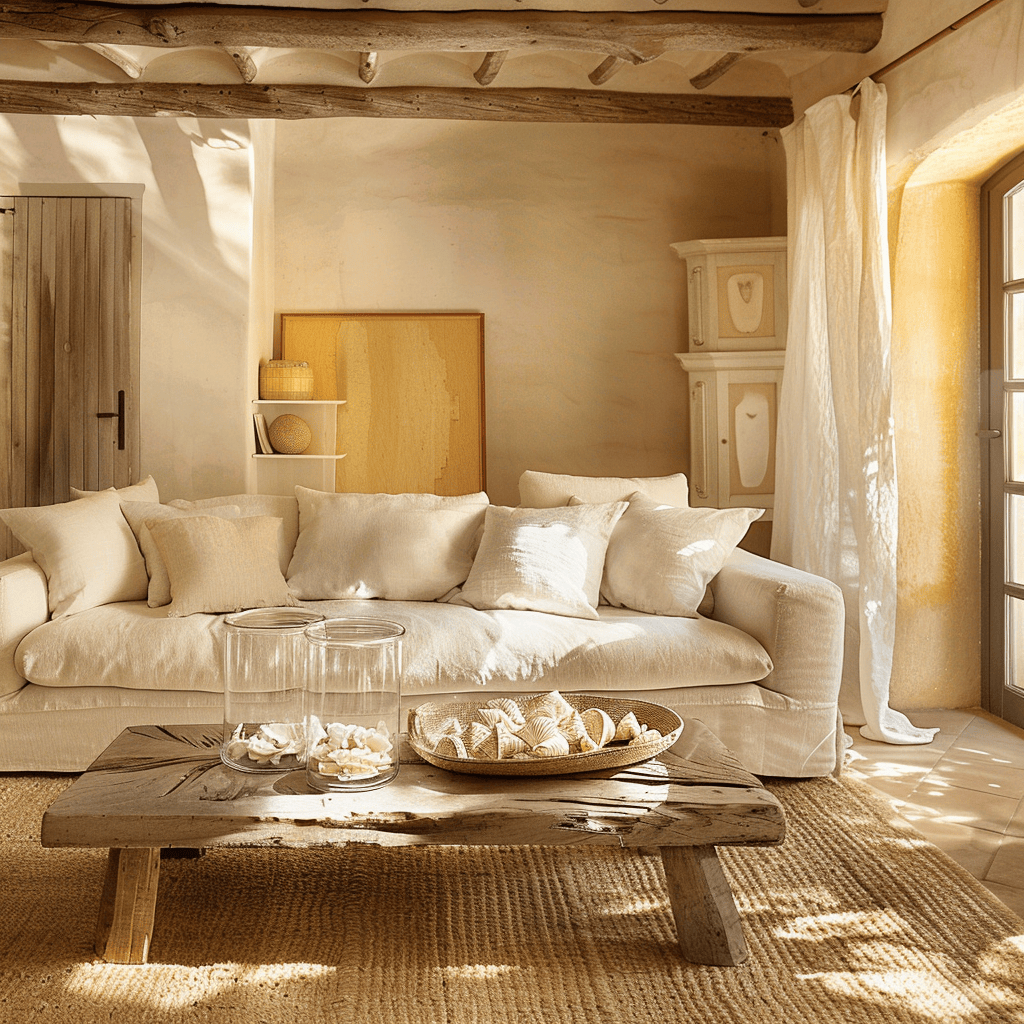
[(197, 250), (559, 234)]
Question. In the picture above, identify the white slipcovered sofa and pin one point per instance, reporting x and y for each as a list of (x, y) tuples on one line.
[(114, 616)]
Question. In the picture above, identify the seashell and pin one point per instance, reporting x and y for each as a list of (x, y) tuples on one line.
[(450, 727), (628, 728), (510, 707), (451, 746), (572, 728), (552, 704), (282, 734), (538, 729), (492, 716), (600, 728), (507, 742), (476, 733), (556, 746), (647, 736)]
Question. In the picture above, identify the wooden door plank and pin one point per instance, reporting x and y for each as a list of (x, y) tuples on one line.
[(19, 355), (77, 339), (120, 210), (7, 231), (106, 369), (91, 322), (63, 384), (34, 330)]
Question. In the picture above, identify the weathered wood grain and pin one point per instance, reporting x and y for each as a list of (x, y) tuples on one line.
[(289, 102), (124, 928), (633, 36)]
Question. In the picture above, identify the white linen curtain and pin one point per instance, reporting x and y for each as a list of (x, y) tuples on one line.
[(835, 483)]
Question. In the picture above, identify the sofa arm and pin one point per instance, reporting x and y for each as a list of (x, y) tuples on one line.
[(798, 618), (23, 607)]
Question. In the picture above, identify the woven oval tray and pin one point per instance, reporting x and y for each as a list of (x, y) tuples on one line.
[(424, 719)]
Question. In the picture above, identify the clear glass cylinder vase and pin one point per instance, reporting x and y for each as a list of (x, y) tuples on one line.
[(353, 705), (265, 667)]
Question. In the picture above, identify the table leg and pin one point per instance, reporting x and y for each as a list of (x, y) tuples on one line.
[(707, 922), (128, 904)]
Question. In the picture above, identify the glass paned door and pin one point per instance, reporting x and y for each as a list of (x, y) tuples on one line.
[(1002, 437)]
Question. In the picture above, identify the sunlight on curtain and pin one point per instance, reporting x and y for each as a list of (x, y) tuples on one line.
[(835, 494)]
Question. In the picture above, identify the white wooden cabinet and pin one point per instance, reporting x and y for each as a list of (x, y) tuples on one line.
[(736, 290), (277, 473)]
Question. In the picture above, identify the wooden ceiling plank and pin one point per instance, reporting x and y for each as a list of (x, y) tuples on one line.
[(368, 64), (307, 101), (632, 36), (490, 66)]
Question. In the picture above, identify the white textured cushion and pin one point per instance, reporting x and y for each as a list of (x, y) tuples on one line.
[(86, 549), (660, 559), (137, 513), (144, 490), (221, 565), (544, 560), (549, 490), (278, 506), (400, 547)]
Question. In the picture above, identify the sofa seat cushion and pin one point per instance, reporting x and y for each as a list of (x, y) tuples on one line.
[(447, 649)]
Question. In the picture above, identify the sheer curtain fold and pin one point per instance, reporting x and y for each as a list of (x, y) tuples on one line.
[(835, 495)]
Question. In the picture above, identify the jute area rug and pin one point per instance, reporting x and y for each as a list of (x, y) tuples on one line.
[(852, 919)]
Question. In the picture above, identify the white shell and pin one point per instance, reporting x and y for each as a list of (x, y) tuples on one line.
[(628, 728), (450, 727), (492, 716), (507, 742), (556, 746), (510, 707), (552, 704), (572, 728), (600, 728), (451, 746), (475, 735), (538, 730), (647, 736)]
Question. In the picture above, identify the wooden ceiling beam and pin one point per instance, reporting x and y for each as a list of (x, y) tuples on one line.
[(716, 70), (490, 66), (473, 104), (368, 66), (635, 37)]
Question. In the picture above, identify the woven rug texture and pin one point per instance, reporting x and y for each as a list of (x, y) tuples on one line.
[(853, 919)]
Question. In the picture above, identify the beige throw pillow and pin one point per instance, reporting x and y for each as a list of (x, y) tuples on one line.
[(144, 490), (137, 513), (221, 565), (549, 490), (399, 547), (278, 506), (86, 549), (544, 560), (660, 559)]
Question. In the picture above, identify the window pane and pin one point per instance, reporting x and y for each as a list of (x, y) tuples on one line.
[(1014, 436), (1014, 678), (1015, 539), (1015, 233), (1014, 361)]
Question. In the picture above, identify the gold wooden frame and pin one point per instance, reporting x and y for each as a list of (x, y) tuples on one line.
[(413, 384)]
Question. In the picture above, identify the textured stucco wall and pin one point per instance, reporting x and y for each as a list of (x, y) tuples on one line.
[(559, 234)]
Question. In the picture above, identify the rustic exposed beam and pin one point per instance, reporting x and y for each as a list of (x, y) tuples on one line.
[(242, 56), (716, 70), (128, 64), (368, 66), (632, 36), (490, 66), (306, 101)]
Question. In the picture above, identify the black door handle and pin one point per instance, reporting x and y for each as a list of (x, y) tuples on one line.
[(120, 419)]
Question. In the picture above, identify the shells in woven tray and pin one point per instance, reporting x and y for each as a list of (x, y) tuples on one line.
[(543, 726)]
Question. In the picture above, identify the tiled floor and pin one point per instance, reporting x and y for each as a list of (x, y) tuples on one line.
[(964, 791)]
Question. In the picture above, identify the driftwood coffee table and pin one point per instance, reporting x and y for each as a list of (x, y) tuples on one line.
[(165, 787)]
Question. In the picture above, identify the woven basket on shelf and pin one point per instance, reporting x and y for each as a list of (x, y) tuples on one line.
[(284, 380)]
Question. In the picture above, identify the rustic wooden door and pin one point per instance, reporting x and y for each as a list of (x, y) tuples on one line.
[(68, 349)]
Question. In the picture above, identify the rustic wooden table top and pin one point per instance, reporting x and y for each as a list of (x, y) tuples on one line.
[(165, 786)]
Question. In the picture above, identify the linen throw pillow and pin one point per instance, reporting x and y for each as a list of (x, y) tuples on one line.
[(221, 565), (86, 549), (544, 560), (278, 506), (550, 490), (144, 490), (137, 512), (660, 559), (398, 547)]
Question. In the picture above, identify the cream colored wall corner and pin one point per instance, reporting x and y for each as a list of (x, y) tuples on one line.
[(559, 234)]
